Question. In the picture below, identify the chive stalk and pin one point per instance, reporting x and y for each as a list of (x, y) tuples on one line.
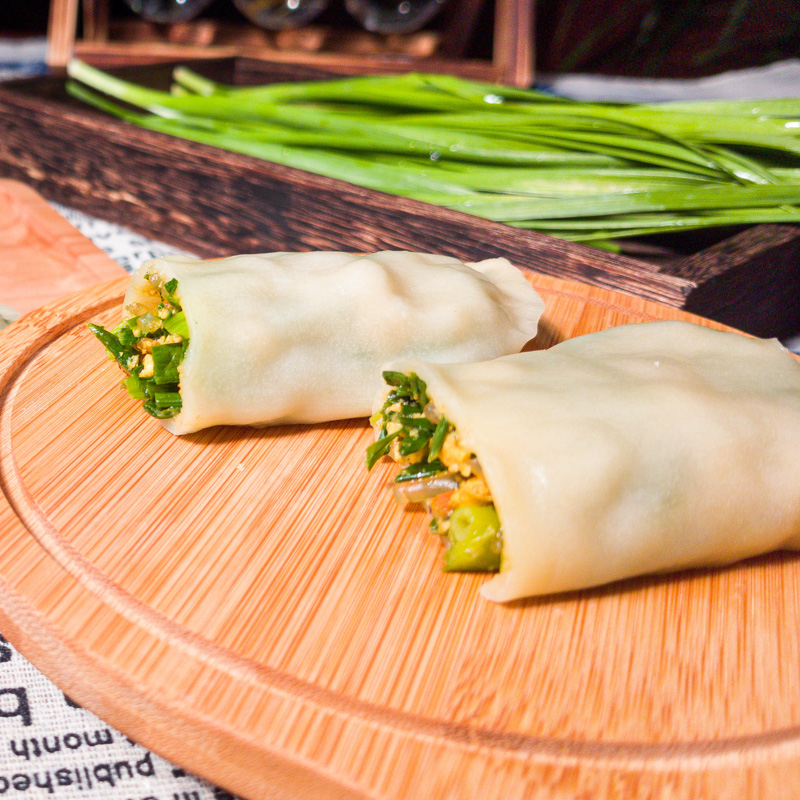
[(177, 324), (591, 172)]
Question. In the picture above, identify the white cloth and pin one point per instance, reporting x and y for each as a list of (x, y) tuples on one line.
[(778, 80), (22, 58), (50, 747), (130, 250)]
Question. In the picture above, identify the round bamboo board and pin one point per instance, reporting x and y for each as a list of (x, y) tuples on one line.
[(252, 605)]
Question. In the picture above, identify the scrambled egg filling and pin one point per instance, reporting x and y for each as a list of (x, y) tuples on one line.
[(471, 488), (149, 345), (440, 472)]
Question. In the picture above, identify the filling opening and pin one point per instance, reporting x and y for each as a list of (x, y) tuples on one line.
[(439, 472), (149, 345)]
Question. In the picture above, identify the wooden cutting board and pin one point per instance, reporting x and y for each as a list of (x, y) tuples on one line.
[(252, 605), (43, 256)]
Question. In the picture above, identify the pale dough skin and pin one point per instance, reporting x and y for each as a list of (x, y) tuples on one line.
[(645, 448), (300, 337)]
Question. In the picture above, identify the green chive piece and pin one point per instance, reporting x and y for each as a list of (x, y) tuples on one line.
[(120, 352), (379, 448), (152, 408), (395, 379), (166, 358), (413, 444), (424, 469), (177, 325), (419, 389), (438, 438), (134, 387), (125, 334), (167, 399), (416, 422)]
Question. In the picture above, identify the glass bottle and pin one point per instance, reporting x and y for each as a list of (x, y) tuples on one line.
[(279, 14), (168, 11), (394, 16)]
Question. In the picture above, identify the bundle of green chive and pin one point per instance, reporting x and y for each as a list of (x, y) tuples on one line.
[(587, 172)]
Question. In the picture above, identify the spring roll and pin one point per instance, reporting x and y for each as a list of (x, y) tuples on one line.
[(645, 448), (300, 337)]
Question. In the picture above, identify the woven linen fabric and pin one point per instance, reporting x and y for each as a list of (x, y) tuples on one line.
[(49, 746), (22, 58), (128, 249), (52, 748)]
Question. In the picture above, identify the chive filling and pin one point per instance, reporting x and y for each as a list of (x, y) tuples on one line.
[(149, 346), (438, 471)]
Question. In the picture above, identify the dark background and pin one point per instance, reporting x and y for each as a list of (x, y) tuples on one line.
[(647, 38), (23, 18)]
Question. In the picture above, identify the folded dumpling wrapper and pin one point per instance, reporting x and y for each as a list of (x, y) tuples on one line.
[(300, 337), (645, 448)]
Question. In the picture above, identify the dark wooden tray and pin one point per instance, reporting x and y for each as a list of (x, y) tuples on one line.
[(217, 203)]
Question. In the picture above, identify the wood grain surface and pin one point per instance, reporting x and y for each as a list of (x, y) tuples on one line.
[(215, 203), (43, 256), (252, 605)]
